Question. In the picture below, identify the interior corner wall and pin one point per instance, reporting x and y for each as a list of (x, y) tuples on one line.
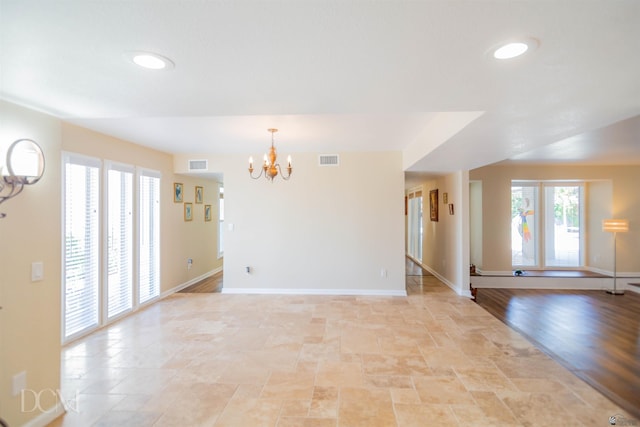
[(180, 239), (624, 202), (329, 229), (30, 313)]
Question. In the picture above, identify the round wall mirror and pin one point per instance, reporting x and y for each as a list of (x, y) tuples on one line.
[(25, 161)]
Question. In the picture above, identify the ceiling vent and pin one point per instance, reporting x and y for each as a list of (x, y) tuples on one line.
[(198, 165), (328, 160)]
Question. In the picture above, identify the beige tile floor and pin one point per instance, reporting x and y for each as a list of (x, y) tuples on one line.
[(432, 359)]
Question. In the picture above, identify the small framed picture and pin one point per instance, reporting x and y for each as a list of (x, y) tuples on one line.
[(199, 194), (445, 198), (207, 212), (433, 205), (188, 211), (450, 208), (177, 192)]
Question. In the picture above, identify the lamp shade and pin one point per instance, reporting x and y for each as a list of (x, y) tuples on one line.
[(615, 225)]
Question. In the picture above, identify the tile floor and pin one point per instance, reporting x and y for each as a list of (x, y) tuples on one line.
[(433, 358)]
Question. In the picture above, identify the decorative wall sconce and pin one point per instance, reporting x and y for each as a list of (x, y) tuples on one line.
[(24, 165), (270, 168)]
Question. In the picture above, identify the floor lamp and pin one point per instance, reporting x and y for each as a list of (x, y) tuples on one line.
[(615, 226)]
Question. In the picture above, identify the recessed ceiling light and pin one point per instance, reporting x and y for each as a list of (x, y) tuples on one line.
[(514, 49), (150, 60)]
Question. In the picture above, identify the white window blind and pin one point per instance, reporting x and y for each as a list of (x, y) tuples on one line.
[(119, 239), (81, 263), (149, 232)]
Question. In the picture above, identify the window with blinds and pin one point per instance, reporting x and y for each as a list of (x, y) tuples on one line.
[(149, 236), (101, 280), (119, 239), (81, 229)]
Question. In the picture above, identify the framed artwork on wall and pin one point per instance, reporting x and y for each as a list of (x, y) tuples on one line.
[(433, 205), (207, 212), (177, 192), (199, 194), (188, 212)]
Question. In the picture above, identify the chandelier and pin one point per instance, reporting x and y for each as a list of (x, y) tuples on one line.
[(270, 168)]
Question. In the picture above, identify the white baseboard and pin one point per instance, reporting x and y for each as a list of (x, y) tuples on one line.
[(546, 282), (146, 304), (600, 271), (47, 417), (288, 291), (494, 273), (462, 292), (620, 274), (190, 282), (538, 282)]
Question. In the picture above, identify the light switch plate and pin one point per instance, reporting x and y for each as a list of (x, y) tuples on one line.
[(37, 271)]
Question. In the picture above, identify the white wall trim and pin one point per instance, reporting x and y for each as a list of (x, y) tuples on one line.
[(189, 283), (494, 273), (537, 282), (48, 416), (600, 271), (619, 274), (144, 305), (462, 292), (289, 291)]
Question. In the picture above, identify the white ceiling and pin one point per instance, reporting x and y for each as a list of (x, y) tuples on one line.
[(335, 76)]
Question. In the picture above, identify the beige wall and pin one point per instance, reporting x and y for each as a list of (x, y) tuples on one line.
[(327, 229), (30, 314), (612, 191)]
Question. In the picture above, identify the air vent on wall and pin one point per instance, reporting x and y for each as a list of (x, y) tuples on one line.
[(198, 165), (328, 160)]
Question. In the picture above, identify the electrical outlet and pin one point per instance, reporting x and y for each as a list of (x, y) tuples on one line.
[(19, 383), (189, 263)]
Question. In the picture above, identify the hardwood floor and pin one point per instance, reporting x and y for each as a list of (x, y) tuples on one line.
[(591, 333), (209, 285)]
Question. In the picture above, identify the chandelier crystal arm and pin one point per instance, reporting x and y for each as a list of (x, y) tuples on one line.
[(263, 171)]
